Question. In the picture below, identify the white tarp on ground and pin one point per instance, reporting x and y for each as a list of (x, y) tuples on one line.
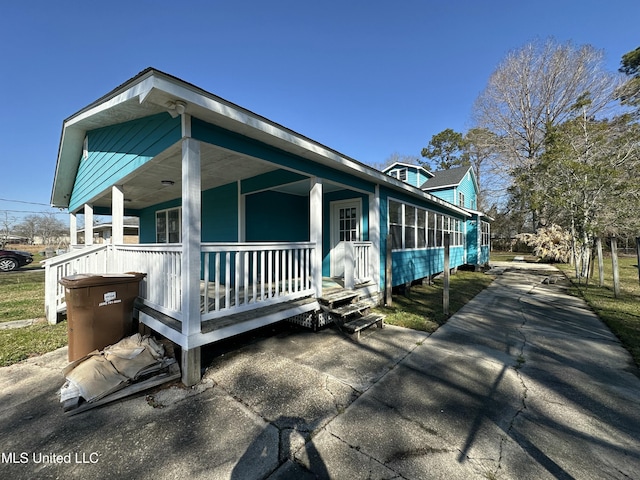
[(103, 372)]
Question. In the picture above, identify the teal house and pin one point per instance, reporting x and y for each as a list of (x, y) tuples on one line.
[(242, 221)]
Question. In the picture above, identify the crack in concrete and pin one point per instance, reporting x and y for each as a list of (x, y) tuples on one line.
[(371, 458), (520, 361)]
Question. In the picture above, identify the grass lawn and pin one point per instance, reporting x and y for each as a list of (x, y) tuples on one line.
[(22, 294), (421, 308), (622, 314), (21, 298)]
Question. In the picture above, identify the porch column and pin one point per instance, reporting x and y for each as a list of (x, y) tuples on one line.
[(478, 239), (374, 234), (315, 232), (242, 234), (88, 225), (73, 229), (191, 238), (117, 215)]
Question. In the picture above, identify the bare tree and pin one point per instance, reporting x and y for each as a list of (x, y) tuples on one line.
[(28, 227), (536, 88), (50, 228), (6, 224), (396, 157)]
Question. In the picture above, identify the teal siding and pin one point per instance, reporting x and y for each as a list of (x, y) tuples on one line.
[(472, 242), (484, 255), (218, 136), (118, 150), (220, 214), (422, 177), (448, 195), (468, 188), (413, 264), (410, 265), (412, 177), (277, 217)]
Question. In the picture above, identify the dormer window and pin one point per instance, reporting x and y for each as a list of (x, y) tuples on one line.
[(399, 173)]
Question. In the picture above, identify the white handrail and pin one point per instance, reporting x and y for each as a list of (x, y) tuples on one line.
[(239, 276)]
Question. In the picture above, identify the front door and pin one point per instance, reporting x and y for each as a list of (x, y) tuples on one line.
[(346, 226)]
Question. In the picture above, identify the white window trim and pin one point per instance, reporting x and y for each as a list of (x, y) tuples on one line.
[(444, 224), (166, 212)]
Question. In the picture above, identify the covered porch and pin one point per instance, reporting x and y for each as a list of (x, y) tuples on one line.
[(237, 214), (245, 243), (241, 287)]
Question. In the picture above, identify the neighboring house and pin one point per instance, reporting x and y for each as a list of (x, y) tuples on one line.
[(103, 232), (242, 221)]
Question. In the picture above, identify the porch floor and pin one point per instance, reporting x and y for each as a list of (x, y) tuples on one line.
[(231, 320)]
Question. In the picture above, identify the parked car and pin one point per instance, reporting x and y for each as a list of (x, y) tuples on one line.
[(14, 259)]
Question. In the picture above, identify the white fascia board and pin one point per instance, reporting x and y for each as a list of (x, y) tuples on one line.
[(140, 90), (244, 117), (72, 138)]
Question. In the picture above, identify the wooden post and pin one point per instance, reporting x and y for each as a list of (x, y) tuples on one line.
[(388, 300), (600, 262), (315, 233), (349, 265), (614, 262), (445, 291), (117, 214), (638, 256), (191, 246)]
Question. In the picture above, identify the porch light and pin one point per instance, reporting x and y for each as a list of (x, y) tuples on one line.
[(167, 183)]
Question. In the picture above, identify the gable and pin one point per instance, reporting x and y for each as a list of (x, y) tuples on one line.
[(114, 152)]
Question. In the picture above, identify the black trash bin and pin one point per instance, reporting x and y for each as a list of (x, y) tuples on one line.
[(99, 310)]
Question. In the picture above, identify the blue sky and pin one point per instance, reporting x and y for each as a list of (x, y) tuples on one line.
[(366, 78)]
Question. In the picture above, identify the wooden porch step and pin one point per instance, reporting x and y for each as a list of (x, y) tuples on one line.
[(351, 308), (359, 324), (341, 296)]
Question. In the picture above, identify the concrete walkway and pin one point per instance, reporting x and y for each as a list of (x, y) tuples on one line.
[(523, 382)]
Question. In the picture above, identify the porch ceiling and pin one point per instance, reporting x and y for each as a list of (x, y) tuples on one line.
[(144, 187)]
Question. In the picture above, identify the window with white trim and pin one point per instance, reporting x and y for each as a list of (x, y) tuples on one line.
[(486, 234), (169, 225), (461, 199), (414, 227)]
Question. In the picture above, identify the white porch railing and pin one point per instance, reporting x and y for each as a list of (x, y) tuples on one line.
[(358, 267), (235, 277), (89, 259), (242, 276)]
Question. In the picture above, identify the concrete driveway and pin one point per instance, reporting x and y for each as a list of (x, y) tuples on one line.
[(524, 382)]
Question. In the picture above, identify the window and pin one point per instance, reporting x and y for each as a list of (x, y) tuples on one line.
[(409, 227), (439, 219), (431, 235), (168, 226), (485, 238), (421, 229), (395, 223), (414, 227), (461, 199)]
